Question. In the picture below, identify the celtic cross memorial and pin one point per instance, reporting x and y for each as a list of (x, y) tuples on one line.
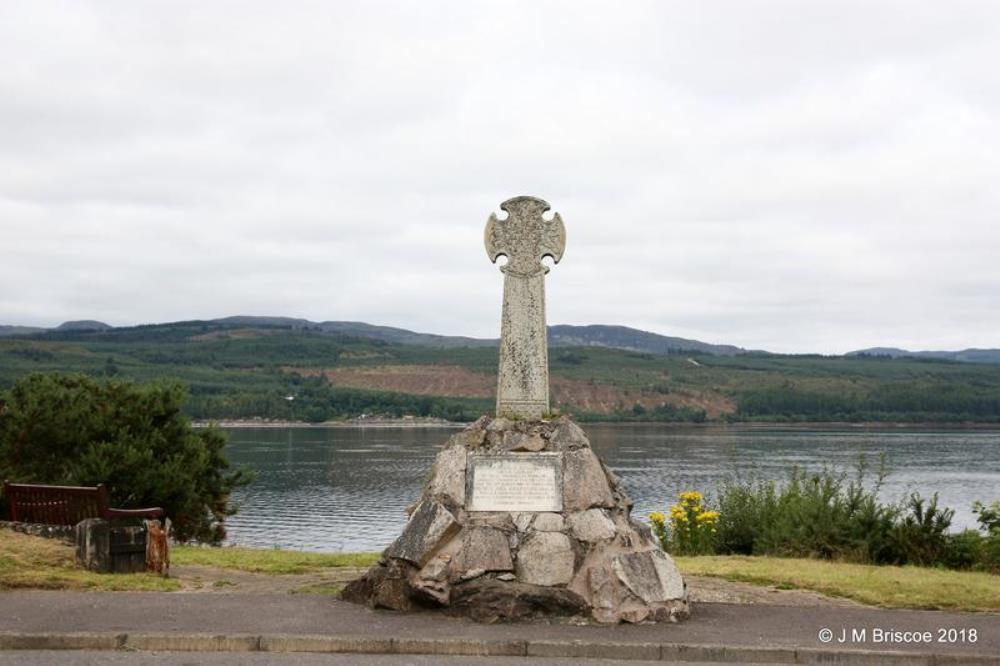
[(525, 238)]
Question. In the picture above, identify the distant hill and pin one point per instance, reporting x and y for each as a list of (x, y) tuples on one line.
[(247, 367), (966, 355), (69, 326), (19, 330), (614, 337), (83, 325), (594, 335), (358, 329), (631, 339)]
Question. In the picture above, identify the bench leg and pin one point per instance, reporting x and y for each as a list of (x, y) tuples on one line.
[(106, 549), (93, 545)]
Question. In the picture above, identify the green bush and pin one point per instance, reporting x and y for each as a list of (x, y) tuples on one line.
[(746, 510), (819, 514), (988, 517), (920, 536), (72, 430), (832, 515), (989, 554), (963, 550), (989, 521)]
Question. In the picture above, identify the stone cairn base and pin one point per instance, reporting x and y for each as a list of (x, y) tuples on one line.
[(589, 560)]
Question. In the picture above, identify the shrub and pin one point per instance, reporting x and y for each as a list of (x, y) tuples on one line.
[(988, 517), (691, 527), (963, 550), (919, 537), (72, 430), (747, 509), (820, 514), (989, 554), (989, 521)]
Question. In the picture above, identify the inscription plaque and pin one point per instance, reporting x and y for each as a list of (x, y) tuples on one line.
[(514, 482)]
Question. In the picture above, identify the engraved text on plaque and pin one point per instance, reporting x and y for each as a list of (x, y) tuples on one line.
[(515, 482)]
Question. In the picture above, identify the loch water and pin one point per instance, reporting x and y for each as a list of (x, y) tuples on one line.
[(347, 489)]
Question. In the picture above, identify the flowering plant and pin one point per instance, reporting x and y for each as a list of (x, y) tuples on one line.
[(690, 527)]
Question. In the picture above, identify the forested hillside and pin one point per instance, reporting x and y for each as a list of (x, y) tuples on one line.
[(247, 369)]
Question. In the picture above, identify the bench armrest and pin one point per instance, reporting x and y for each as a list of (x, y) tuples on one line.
[(154, 512)]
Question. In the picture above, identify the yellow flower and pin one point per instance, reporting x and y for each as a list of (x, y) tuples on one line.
[(690, 497), (708, 517), (657, 517)]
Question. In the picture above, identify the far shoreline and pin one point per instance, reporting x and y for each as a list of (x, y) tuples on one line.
[(424, 422)]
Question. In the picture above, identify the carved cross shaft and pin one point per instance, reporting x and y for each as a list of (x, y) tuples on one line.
[(525, 237)]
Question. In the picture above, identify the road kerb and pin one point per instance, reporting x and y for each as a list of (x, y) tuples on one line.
[(675, 652), (466, 647), (589, 650), (317, 643), (873, 658), (744, 654), (192, 642), (69, 641)]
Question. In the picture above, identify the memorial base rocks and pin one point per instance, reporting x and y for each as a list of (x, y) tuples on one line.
[(520, 519)]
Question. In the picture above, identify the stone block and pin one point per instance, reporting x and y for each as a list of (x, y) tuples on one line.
[(487, 600), (431, 525), (499, 424), (431, 582), (545, 558), (549, 522), (650, 575), (93, 545), (603, 594), (591, 525), (500, 520), (483, 549), (447, 482), (516, 441), (470, 438), (584, 484), (568, 436), (522, 521), (391, 586)]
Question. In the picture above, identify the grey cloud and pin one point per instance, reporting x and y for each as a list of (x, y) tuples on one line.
[(779, 175)]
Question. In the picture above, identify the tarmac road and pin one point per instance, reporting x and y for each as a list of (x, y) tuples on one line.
[(84, 658), (154, 621)]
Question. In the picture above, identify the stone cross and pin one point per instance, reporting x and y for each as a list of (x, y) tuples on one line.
[(524, 237)]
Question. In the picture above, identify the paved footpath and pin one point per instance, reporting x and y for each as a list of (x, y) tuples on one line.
[(719, 632)]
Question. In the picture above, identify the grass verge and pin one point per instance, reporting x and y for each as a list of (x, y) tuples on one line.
[(886, 586), (268, 561), (34, 562)]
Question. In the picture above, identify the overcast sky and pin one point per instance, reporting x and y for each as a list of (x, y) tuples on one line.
[(791, 176)]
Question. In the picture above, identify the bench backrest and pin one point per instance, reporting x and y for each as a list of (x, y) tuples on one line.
[(55, 505)]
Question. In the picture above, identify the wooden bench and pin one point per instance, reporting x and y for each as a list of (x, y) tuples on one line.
[(99, 545), (65, 505)]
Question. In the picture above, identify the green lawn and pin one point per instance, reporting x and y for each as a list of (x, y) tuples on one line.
[(886, 586), (268, 561), (34, 562)]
